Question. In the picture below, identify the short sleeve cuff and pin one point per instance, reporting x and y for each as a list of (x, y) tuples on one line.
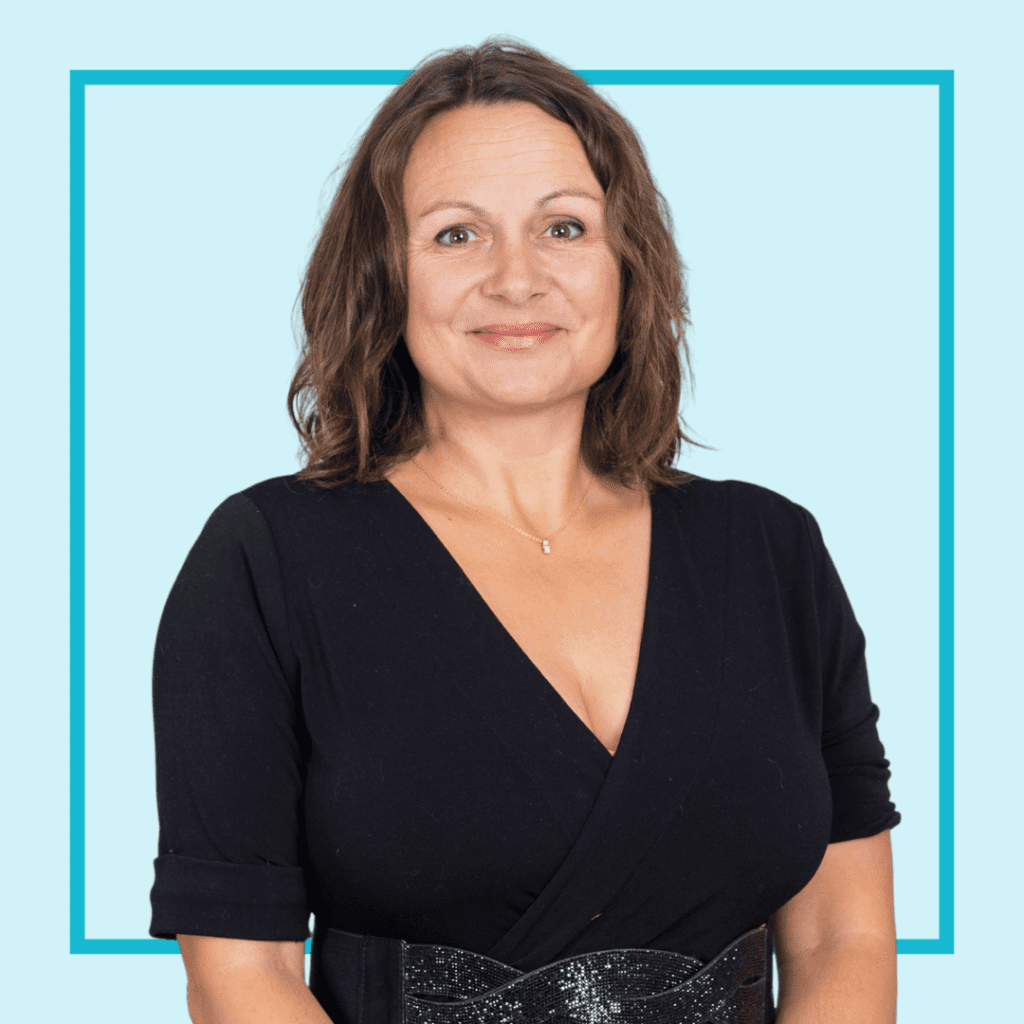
[(861, 806), (192, 896)]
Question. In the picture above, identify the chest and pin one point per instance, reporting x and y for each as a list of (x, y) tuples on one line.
[(577, 613)]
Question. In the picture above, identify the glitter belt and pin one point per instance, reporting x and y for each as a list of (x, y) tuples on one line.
[(364, 979)]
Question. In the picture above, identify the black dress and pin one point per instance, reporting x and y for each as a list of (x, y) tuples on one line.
[(344, 728)]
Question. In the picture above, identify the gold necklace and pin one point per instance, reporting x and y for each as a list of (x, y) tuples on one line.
[(545, 545)]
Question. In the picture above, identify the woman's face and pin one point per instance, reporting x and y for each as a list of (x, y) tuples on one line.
[(494, 242)]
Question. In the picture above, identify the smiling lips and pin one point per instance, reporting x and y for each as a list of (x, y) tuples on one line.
[(518, 330)]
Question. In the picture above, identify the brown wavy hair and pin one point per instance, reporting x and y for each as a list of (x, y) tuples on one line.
[(355, 398)]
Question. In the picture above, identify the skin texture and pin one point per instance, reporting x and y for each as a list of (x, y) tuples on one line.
[(241, 981), (836, 939), (506, 422)]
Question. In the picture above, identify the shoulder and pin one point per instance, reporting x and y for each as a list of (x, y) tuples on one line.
[(742, 501), (290, 492), (285, 530), (296, 522), (745, 519), (282, 500)]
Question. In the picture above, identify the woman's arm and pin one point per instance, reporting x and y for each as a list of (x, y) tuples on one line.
[(835, 941), (241, 981)]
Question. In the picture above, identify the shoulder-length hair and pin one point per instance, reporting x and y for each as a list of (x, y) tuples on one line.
[(355, 399)]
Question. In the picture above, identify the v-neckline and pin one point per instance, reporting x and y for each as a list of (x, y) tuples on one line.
[(563, 705)]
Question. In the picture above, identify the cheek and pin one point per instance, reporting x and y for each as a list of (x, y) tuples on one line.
[(432, 290), (422, 297), (611, 273), (600, 284)]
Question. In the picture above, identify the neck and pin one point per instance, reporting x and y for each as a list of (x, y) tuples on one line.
[(538, 492), (534, 478)]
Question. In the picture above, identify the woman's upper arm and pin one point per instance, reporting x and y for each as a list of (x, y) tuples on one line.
[(850, 743), (209, 956), (229, 743), (850, 897), (241, 981)]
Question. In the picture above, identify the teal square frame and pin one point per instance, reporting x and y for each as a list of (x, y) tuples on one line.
[(79, 80)]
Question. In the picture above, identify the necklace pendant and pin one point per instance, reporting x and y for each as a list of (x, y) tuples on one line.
[(545, 547)]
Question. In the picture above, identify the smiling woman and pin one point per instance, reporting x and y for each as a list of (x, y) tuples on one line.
[(536, 725), (555, 246), (463, 164)]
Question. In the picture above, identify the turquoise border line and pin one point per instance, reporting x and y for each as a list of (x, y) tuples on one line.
[(80, 79)]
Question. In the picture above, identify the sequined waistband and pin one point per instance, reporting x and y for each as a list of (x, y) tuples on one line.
[(362, 979)]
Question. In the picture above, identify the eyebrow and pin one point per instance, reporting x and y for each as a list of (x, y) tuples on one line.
[(462, 204)]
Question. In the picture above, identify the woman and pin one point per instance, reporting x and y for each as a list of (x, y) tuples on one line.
[(489, 685)]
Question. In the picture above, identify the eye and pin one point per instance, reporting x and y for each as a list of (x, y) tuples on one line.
[(569, 223), (459, 228)]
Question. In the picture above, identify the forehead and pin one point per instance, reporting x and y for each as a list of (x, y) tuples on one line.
[(485, 145)]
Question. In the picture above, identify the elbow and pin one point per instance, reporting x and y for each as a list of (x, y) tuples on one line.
[(198, 1002), (851, 982)]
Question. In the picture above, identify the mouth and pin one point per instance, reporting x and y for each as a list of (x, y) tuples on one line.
[(533, 330), (515, 337), (511, 341)]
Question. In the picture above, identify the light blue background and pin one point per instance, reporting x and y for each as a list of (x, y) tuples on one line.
[(807, 216), (809, 225)]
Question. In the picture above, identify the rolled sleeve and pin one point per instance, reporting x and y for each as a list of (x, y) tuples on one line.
[(230, 742), (850, 744), (192, 896)]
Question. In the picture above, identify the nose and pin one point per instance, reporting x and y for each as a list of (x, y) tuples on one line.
[(517, 273)]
